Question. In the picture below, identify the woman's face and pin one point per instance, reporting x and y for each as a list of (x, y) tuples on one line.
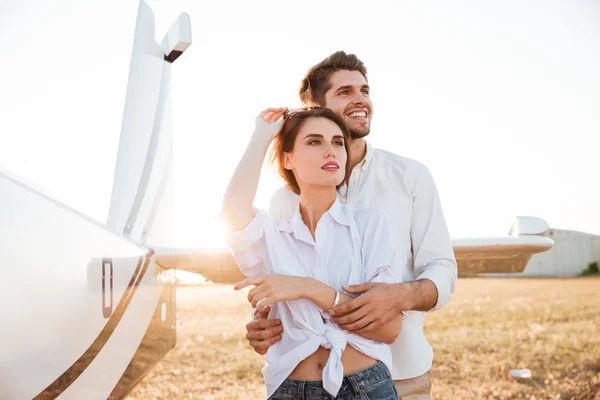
[(319, 156)]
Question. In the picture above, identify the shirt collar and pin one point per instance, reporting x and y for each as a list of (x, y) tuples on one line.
[(298, 227), (366, 161), (361, 166), (338, 213)]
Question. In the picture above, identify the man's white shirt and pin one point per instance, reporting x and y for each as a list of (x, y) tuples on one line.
[(406, 191)]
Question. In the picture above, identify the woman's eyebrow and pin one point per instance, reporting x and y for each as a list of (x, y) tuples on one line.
[(317, 135)]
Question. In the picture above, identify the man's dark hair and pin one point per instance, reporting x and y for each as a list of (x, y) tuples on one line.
[(316, 81)]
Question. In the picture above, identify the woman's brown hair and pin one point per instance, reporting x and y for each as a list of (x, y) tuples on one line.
[(284, 142)]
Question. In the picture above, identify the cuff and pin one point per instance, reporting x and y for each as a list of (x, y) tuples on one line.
[(444, 279)]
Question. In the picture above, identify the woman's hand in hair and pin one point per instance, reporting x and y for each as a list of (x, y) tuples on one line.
[(269, 289), (269, 122)]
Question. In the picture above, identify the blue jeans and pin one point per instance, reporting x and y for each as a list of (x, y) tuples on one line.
[(374, 383)]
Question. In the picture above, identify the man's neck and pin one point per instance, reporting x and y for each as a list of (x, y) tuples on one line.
[(358, 150), (314, 202)]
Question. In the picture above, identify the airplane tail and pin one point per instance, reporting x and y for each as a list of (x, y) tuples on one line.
[(142, 196)]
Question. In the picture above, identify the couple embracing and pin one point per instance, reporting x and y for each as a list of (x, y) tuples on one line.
[(352, 253)]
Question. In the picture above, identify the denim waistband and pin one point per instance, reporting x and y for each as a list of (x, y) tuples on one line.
[(352, 383)]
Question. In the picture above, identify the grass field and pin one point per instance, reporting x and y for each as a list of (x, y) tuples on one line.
[(551, 326)]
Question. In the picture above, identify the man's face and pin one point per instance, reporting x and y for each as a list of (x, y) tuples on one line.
[(349, 98)]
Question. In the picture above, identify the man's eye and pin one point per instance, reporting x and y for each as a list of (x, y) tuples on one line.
[(338, 143), (365, 92)]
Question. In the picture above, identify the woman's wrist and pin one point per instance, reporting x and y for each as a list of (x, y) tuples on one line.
[(262, 137), (308, 288), (319, 293)]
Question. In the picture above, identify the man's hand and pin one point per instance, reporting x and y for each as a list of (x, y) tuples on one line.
[(263, 332), (378, 304)]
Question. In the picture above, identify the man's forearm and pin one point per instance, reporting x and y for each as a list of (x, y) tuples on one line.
[(423, 295)]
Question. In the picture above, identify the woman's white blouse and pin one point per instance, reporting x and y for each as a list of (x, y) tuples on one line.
[(353, 245)]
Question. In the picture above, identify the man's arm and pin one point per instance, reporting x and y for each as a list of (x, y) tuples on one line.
[(434, 265), (262, 332), (323, 296), (434, 261)]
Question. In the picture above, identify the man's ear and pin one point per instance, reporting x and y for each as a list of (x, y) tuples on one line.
[(287, 162)]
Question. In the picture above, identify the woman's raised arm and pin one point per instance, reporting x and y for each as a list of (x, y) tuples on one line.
[(237, 203)]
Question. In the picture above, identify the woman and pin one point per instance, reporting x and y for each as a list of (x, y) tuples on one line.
[(298, 266)]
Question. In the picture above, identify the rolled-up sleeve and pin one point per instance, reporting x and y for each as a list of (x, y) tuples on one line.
[(432, 247), (248, 245)]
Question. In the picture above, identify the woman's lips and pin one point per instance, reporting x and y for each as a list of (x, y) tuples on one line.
[(331, 166)]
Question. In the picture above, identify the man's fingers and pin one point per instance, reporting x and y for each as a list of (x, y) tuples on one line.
[(358, 288), (262, 346), (261, 352), (359, 324), (371, 327), (260, 324), (352, 317), (348, 307), (265, 334)]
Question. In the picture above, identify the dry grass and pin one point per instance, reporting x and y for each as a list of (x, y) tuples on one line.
[(551, 326)]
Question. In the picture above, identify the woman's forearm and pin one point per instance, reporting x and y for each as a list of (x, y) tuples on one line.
[(323, 296), (237, 202)]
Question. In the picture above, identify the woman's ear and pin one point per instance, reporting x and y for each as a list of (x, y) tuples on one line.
[(287, 162)]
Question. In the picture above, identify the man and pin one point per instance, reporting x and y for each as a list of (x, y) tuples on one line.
[(405, 190)]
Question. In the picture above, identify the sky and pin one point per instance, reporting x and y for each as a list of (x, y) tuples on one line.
[(500, 100)]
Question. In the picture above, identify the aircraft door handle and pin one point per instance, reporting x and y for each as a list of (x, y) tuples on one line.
[(107, 274)]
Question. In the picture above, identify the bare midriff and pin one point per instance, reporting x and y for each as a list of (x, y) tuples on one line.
[(311, 368)]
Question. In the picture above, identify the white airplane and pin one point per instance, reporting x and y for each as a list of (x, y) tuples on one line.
[(90, 308)]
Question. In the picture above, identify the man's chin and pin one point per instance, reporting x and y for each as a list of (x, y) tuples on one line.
[(359, 133)]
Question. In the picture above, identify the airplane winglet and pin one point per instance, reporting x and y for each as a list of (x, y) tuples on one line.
[(178, 38)]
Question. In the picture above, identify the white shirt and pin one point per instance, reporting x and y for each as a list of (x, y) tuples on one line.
[(405, 190), (353, 245)]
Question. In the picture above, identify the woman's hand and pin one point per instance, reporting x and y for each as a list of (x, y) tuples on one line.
[(269, 122), (269, 289)]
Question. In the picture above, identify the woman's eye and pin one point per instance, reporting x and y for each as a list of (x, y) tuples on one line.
[(344, 92), (314, 142)]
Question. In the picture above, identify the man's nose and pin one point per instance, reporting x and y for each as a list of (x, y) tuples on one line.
[(360, 98)]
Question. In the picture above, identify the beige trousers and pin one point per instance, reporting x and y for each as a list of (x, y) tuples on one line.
[(418, 388)]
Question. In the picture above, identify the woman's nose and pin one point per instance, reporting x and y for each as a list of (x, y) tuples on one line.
[(330, 151)]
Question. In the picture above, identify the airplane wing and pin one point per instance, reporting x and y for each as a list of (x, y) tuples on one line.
[(506, 254), (509, 254)]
